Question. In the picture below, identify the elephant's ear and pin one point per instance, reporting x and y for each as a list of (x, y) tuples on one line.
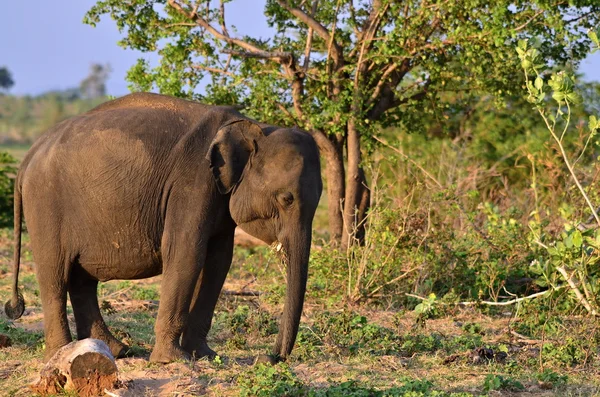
[(230, 152)]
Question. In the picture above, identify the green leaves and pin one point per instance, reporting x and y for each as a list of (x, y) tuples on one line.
[(563, 86), (593, 35), (531, 58), (593, 124)]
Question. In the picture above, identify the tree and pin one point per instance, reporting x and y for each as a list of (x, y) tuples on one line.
[(6, 80), (94, 85), (344, 69)]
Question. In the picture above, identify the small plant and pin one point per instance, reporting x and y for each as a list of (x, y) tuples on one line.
[(267, 381), (421, 343), (551, 378), (472, 328), (238, 322), (570, 352), (427, 309), (354, 333), (497, 382)]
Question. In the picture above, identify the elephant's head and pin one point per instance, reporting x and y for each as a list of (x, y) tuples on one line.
[(273, 176)]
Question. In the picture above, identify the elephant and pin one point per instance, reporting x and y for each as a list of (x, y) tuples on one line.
[(150, 184)]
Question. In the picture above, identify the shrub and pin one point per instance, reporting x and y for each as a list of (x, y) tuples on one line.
[(8, 172)]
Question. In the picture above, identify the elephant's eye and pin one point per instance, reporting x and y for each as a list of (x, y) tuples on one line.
[(285, 199)]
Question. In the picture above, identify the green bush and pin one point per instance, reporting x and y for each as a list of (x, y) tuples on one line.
[(8, 171)]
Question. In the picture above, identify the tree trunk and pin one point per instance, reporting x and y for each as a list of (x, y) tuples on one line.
[(85, 366), (336, 185), (333, 152), (357, 195)]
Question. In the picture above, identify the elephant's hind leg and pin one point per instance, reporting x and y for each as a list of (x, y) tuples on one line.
[(53, 290), (90, 324)]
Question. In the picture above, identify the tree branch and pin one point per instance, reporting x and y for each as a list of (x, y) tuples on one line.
[(317, 27), (309, 39), (213, 70), (222, 13), (382, 81), (222, 36), (279, 57), (524, 25)]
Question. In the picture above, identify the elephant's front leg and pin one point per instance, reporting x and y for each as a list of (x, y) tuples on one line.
[(206, 294), (182, 262)]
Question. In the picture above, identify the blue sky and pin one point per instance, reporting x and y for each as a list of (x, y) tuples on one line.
[(46, 46)]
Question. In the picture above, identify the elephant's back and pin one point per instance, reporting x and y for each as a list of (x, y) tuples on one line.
[(99, 181)]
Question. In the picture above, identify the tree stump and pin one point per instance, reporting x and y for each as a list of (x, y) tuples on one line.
[(86, 367)]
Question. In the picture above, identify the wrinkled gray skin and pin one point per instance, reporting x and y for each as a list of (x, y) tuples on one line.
[(149, 184)]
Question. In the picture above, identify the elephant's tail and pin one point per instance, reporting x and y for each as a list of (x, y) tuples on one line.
[(15, 307)]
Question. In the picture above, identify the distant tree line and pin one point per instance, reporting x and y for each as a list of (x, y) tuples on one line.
[(24, 118)]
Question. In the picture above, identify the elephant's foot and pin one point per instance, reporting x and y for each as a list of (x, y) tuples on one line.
[(49, 353), (166, 353), (117, 348), (52, 348), (200, 350), (267, 359)]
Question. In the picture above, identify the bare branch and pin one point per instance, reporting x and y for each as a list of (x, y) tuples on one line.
[(382, 81), (309, 39), (228, 62), (491, 303), (287, 113), (523, 26), (333, 84), (276, 56), (219, 35), (173, 25), (586, 14), (213, 70), (318, 28), (222, 13)]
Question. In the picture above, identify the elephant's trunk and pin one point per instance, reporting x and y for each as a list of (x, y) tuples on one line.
[(297, 249)]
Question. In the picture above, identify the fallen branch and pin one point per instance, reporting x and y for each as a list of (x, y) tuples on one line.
[(492, 303), (524, 339)]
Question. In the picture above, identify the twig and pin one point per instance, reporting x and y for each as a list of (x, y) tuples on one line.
[(578, 293), (524, 339), (213, 70), (491, 303)]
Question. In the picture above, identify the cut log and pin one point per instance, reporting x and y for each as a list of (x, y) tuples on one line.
[(86, 367)]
